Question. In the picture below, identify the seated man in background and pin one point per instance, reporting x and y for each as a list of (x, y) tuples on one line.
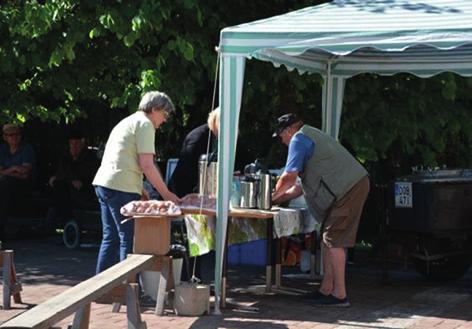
[(16, 171), (72, 182)]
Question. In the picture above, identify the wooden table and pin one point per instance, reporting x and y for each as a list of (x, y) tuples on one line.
[(152, 236), (267, 215), (241, 213)]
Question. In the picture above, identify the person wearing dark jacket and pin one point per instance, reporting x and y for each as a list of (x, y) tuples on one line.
[(17, 162), (184, 179), (72, 183)]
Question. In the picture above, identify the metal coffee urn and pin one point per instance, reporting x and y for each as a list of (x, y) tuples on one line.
[(264, 193), (248, 193), (207, 176), (256, 187)]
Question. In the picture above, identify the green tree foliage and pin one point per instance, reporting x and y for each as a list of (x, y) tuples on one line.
[(61, 60), (65, 59), (404, 121)]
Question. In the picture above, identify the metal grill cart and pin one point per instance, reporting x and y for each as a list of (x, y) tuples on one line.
[(429, 213)]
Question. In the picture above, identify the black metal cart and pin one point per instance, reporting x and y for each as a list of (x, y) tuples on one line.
[(429, 213)]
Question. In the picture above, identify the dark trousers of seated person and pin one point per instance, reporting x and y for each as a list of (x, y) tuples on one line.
[(13, 194), (66, 198)]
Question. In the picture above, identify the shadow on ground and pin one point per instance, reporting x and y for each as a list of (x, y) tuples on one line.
[(405, 301)]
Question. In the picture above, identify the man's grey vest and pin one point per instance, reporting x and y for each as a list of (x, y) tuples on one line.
[(329, 174)]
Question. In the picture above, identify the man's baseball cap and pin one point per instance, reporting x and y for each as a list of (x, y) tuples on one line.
[(285, 121)]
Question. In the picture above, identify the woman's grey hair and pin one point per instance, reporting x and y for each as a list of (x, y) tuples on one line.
[(9, 127), (156, 100)]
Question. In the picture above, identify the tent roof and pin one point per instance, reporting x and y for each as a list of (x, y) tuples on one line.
[(355, 36)]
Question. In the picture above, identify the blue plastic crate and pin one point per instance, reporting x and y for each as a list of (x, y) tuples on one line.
[(234, 254), (254, 253)]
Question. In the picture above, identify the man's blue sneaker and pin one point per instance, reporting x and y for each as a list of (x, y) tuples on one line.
[(316, 295), (331, 301)]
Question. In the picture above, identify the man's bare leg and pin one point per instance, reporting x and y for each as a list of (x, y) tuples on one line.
[(327, 284), (338, 264)]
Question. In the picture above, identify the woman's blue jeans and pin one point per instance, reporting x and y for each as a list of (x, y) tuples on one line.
[(117, 238)]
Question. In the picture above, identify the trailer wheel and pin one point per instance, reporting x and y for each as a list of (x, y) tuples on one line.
[(71, 235)]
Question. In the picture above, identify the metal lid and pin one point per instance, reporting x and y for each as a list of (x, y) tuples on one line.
[(437, 172), (440, 175)]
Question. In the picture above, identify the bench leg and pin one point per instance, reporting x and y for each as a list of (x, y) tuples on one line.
[(16, 285), (115, 308), (133, 311), (7, 264), (11, 287), (82, 318), (162, 286)]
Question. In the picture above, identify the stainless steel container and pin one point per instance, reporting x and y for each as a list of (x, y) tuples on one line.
[(207, 178), (236, 192), (248, 192), (264, 193)]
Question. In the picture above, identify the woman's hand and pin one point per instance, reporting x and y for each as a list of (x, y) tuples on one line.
[(172, 197), (144, 195)]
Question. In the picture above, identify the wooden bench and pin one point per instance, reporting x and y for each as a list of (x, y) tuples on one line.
[(79, 298), (11, 286)]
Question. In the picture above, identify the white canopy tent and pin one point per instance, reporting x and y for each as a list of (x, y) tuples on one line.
[(337, 40)]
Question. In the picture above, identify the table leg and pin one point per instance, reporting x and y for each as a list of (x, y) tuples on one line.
[(225, 269), (313, 252), (278, 263), (269, 262), (319, 255)]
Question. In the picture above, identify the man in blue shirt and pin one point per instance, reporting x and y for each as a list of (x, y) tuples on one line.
[(300, 149), (16, 168), (335, 187)]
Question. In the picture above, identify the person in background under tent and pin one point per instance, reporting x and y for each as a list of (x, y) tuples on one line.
[(184, 179)]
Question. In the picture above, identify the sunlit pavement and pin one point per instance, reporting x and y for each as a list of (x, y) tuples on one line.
[(46, 268)]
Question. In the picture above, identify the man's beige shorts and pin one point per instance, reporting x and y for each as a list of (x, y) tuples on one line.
[(340, 227)]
